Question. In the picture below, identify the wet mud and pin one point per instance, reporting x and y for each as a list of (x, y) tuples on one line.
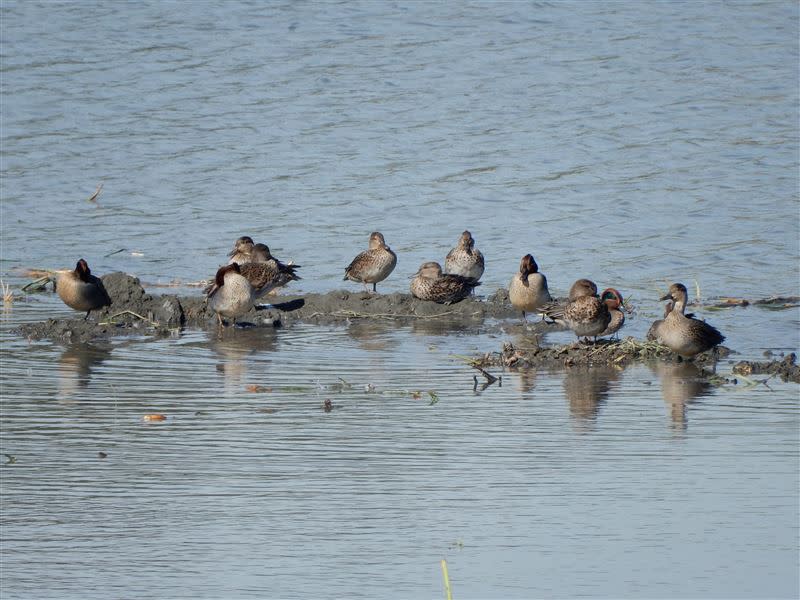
[(133, 311), (786, 368), (603, 352), (136, 312)]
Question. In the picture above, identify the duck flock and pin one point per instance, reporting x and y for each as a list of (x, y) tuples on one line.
[(253, 272)]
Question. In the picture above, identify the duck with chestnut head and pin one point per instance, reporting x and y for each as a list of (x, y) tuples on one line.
[(231, 295), (681, 333), (429, 283), (465, 259), (374, 264), (81, 290), (584, 313), (527, 290)]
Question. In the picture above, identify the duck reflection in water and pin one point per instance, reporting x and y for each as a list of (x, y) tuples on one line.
[(681, 384), (370, 335), (237, 347), (587, 389), (75, 366)]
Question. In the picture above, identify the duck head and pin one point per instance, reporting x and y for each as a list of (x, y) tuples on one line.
[(261, 251), (243, 244), (376, 240), (527, 266), (429, 270), (613, 299), (466, 241), (582, 287), (677, 293), (82, 270)]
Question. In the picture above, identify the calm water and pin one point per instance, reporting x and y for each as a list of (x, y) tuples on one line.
[(634, 143)]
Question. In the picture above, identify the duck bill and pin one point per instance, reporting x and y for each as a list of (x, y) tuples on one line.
[(665, 297)]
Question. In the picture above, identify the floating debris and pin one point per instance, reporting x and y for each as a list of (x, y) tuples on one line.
[(154, 417), (258, 389)]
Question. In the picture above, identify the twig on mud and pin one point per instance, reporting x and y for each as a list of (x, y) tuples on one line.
[(128, 312)]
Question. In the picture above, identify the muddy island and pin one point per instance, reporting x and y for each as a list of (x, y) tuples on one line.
[(134, 311)]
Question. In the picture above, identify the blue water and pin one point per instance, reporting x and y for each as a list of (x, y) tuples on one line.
[(633, 143)]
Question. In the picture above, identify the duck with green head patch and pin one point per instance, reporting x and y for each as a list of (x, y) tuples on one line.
[(613, 299)]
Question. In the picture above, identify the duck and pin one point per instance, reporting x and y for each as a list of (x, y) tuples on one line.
[(429, 283), (584, 313), (681, 333), (372, 265), (231, 295), (465, 259), (528, 288), (652, 334), (613, 299), (81, 290), (242, 249), (266, 273)]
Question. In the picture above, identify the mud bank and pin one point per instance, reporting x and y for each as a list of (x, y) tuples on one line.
[(604, 352), (786, 368), (135, 312)]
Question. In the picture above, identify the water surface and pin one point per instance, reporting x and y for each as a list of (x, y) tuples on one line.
[(636, 144)]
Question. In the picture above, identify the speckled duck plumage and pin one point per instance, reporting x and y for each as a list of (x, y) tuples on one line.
[(681, 333), (527, 290), (231, 296), (81, 290), (374, 264), (584, 313), (429, 283), (465, 259)]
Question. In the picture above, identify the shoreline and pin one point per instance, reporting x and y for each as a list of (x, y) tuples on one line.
[(136, 312)]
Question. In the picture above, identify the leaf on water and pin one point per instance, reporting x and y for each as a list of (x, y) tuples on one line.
[(154, 417), (11, 459), (416, 395), (434, 398), (102, 455), (258, 389)]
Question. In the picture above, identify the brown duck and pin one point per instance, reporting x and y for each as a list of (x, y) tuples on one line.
[(372, 265), (231, 295), (430, 284), (528, 288), (465, 259), (683, 334), (81, 290), (584, 313)]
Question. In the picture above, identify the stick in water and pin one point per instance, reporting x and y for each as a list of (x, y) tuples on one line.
[(446, 580)]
